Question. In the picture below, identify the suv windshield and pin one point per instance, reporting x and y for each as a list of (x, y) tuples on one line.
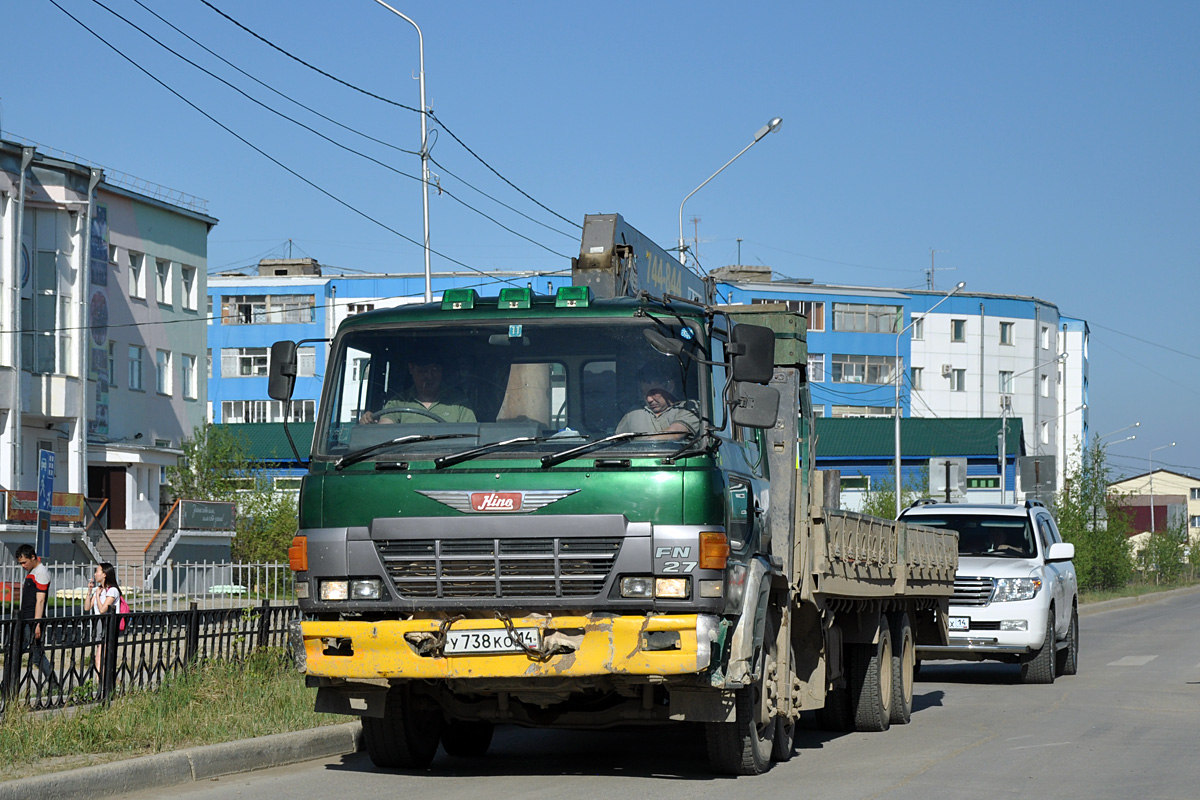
[(549, 385), (984, 535)]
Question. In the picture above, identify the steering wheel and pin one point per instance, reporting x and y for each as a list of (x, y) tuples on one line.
[(424, 412)]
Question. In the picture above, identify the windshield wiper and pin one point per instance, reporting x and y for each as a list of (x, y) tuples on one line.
[(689, 447), (367, 452), (466, 455), (567, 455)]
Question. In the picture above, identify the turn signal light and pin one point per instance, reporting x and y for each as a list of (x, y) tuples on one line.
[(714, 550), (298, 554)]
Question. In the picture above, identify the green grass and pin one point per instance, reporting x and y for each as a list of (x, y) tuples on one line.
[(217, 701), (1135, 589)]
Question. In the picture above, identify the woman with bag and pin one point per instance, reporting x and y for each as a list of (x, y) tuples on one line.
[(102, 595)]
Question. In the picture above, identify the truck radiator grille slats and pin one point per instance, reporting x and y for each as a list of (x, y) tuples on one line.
[(970, 591), (520, 567)]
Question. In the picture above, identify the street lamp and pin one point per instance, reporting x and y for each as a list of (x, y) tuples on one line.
[(770, 127), (1118, 430), (1004, 427), (896, 367), (424, 150), (1152, 449)]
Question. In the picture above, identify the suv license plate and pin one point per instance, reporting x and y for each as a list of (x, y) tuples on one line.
[(491, 640), (960, 623)]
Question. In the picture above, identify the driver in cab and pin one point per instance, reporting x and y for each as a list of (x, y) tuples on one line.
[(663, 411), (426, 400)]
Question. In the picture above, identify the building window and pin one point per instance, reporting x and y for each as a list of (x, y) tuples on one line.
[(816, 367), (984, 483), (112, 254), (1006, 377), (1045, 337), (958, 330), (306, 362), (1044, 385), (958, 380), (876, 370), (189, 377), (917, 376), (918, 329), (208, 358), (863, 411), (856, 482), (162, 283), (243, 362), (813, 311), (819, 411), (1195, 494), (187, 281), (135, 367), (240, 411), (112, 362), (1194, 522), (209, 314), (358, 308), (162, 361), (137, 275), (268, 309), (861, 318), (1006, 333), (1045, 433)]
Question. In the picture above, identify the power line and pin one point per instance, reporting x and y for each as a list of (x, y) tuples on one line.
[(432, 116), (255, 148), (312, 130)]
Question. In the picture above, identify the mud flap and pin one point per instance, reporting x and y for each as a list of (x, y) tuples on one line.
[(703, 706), (359, 700)]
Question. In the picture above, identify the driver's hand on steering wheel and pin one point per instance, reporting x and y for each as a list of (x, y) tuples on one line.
[(367, 418)]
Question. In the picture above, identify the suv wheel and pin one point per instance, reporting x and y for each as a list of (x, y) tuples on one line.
[(1068, 657), (1038, 667)]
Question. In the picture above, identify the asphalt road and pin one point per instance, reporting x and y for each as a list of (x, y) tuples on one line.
[(1126, 727)]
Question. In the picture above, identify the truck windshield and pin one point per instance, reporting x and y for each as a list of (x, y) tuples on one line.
[(981, 535), (549, 385)]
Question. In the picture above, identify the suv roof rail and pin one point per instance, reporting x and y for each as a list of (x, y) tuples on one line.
[(1032, 503)]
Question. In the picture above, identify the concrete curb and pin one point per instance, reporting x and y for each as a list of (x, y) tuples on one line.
[(191, 764), (1087, 609)]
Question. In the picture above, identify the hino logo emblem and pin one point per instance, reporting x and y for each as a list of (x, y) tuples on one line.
[(493, 502)]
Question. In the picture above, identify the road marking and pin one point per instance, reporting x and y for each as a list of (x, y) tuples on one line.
[(1032, 746), (1132, 661)]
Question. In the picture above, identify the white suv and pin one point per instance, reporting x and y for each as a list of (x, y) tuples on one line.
[(1016, 598)]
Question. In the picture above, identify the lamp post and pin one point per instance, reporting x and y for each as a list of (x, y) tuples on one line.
[(1004, 428), (424, 149), (896, 378), (1152, 449), (770, 127), (1118, 430)]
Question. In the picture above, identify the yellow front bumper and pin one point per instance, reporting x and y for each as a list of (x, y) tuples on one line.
[(610, 646)]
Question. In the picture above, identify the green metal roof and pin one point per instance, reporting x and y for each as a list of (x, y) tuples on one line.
[(266, 441), (875, 437)]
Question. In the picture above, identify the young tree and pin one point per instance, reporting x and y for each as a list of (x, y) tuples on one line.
[(880, 499), (1096, 521), (217, 466)]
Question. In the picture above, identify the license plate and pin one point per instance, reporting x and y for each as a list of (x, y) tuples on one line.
[(960, 623), (491, 640)]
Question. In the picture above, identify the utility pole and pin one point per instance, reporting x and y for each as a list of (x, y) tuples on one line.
[(739, 261), (696, 238)]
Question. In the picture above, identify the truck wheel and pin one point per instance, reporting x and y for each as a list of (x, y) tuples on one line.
[(467, 739), (407, 736), (871, 682), (1068, 657), (743, 747), (904, 659), (1039, 667)]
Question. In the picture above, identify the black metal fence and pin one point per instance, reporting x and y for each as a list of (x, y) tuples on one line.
[(86, 658)]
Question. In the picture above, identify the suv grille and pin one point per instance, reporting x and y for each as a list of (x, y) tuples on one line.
[(971, 591), (519, 567)]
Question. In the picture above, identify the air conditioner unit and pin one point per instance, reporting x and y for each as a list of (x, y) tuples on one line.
[(946, 370), (1006, 402)]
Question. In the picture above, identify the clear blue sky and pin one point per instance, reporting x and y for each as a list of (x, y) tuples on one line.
[(1045, 149)]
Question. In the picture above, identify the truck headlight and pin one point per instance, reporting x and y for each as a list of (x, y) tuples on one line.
[(334, 590), (1016, 589), (675, 588), (637, 587), (366, 589)]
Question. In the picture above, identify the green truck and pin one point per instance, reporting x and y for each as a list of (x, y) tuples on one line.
[(593, 509)]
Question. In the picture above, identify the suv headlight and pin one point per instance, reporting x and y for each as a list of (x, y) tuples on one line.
[(1016, 589)]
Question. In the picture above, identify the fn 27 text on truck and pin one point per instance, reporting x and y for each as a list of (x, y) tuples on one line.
[(519, 551)]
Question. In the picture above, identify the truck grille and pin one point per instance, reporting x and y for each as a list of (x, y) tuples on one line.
[(511, 567), (971, 591)]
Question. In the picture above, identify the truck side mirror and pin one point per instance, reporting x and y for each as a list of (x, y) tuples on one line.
[(752, 352), (754, 405), (282, 378)]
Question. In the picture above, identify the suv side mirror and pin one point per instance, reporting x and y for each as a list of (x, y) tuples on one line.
[(282, 379), (1060, 551), (752, 353)]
